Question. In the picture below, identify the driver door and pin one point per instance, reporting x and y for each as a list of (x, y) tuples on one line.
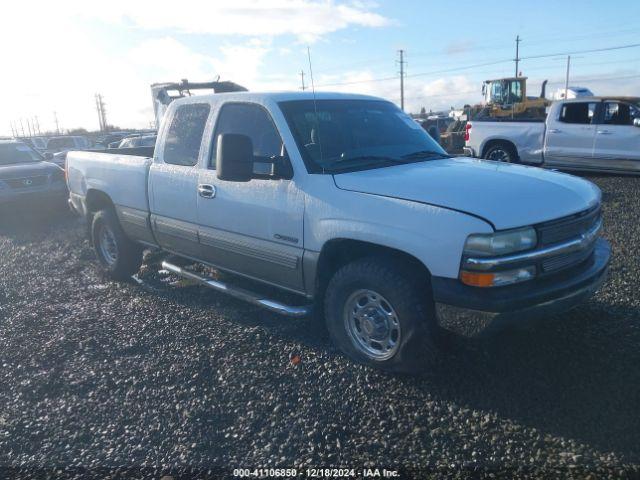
[(252, 228)]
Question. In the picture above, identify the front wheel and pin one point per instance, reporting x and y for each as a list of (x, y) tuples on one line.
[(377, 314), (119, 257)]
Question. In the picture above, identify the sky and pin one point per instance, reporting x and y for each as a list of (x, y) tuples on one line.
[(58, 54)]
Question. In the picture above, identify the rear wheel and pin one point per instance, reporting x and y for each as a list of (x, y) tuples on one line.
[(119, 257), (377, 314), (501, 152)]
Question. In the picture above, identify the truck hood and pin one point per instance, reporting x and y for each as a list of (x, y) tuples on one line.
[(18, 170), (505, 195)]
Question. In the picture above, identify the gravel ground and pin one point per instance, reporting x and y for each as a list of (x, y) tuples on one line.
[(100, 378)]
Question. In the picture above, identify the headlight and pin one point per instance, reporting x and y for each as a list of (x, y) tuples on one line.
[(496, 245), (500, 243)]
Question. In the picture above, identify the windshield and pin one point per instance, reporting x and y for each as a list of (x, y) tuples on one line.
[(38, 142), (11, 153), (347, 135)]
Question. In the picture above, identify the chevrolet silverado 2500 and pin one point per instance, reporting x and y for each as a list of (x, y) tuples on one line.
[(586, 134), (348, 203)]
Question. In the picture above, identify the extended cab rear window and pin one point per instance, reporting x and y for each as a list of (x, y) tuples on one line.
[(578, 112), (182, 144)]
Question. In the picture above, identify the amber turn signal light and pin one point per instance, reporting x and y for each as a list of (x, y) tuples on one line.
[(476, 279)]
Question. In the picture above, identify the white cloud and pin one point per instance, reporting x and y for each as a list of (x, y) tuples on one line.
[(59, 61), (306, 19)]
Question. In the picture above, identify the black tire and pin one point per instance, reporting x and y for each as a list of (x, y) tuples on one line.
[(501, 152), (125, 257), (407, 298)]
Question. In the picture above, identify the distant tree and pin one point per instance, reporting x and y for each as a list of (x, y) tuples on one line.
[(77, 131)]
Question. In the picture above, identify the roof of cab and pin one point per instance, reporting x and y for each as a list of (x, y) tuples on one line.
[(261, 97), (601, 98)]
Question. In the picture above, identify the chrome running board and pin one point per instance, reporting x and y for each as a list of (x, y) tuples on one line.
[(239, 293)]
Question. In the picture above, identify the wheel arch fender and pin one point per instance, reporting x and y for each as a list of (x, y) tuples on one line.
[(96, 200), (488, 143), (337, 252)]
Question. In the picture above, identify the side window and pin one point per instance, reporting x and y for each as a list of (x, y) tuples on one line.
[(616, 113), (578, 112), (182, 143), (256, 123)]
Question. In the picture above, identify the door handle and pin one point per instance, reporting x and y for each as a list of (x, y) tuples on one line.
[(206, 191), (604, 132), (555, 130)]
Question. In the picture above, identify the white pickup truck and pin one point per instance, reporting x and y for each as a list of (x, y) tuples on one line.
[(585, 133), (344, 201)]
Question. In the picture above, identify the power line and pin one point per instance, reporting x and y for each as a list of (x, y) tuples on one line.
[(467, 67), (541, 38), (434, 72), (555, 82), (578, 52), (597, 79)]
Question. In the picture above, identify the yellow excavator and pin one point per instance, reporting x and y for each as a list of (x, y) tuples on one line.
[(506, 98)]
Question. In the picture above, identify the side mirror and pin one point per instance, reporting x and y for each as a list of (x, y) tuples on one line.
[(234, 157), (636, 122), (48, 156)]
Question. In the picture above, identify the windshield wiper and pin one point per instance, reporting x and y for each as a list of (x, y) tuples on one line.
[(426, 154), (363, 161)]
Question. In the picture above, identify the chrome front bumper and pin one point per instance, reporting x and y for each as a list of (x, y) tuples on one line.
[(472, 310), (582, 243)]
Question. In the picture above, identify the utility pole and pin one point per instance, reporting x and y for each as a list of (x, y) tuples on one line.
[(102, 115), (302, 78), (99, 112), (517, 60), (566, 82), (402, 63), (55, 118)]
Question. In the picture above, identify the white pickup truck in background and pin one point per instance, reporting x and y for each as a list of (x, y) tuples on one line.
[(348, 204), (586, 133)]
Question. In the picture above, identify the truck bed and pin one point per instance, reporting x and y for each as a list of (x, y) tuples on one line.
[(122, 174), (527, 137)]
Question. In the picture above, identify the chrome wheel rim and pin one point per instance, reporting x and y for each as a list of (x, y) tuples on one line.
[(372, 324), (107, 245), (499, 155)]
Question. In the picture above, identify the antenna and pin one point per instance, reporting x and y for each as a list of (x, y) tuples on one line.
[(315, 106)]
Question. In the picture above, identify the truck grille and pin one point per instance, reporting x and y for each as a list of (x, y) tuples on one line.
[(27, 182), (561, 262), (565, 229)]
